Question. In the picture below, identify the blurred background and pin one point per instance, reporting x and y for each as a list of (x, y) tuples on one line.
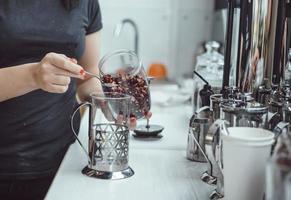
[(163, 32)]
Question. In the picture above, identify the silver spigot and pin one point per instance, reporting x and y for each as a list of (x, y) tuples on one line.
[(119, 28), (198, 127)]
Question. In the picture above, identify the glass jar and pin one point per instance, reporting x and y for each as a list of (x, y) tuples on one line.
[(210, 66), (122, 71)]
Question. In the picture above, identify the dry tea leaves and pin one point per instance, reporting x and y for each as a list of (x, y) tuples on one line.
[(135, 86)]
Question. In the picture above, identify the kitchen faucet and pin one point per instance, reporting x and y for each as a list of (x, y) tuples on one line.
[(119, 27)]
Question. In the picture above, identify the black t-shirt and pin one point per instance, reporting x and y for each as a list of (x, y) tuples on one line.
[(35, 127)]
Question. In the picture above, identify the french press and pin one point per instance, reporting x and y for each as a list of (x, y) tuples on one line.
[(108, 135)]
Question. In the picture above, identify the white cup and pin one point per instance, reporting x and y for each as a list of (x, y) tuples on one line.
[(245, 154)]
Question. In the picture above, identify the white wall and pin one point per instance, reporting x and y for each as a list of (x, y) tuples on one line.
[(170, 30)]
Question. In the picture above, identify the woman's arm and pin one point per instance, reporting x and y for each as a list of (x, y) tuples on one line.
[(16, 81), (89, 61), (51, 74)]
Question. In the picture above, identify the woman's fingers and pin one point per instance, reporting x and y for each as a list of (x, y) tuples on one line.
[(132, 123), (60, 80), (61, 72), (148, 114), (73, 60), (53, 73), (57, 88), (120, 119), (64, 63)]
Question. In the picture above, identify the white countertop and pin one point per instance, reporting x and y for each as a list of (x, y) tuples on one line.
[(162, 171), (159, 174), (175, 121)]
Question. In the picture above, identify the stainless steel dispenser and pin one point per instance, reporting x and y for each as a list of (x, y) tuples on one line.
[(261, 54), (262, 41), (258, 95), (256, 44)]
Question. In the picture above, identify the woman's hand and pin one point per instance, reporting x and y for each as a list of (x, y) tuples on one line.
[(132, 122), (54, 72)]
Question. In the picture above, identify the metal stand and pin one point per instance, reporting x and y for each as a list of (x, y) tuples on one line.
[(108, 175), (148, 130)]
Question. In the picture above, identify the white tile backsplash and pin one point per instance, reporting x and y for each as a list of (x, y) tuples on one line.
[(170, 30)]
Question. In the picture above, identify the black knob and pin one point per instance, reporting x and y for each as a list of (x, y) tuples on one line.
[(205, 94)]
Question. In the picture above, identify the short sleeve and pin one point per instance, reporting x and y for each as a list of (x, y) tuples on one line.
[(94, 17)]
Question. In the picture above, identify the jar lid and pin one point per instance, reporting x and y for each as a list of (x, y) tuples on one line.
[(233, 106), (256, 108), (239, 107)]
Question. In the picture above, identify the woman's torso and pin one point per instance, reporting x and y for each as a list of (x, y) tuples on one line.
[(34, 128)]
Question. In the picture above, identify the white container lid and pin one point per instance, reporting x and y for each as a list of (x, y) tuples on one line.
[(249, 136)]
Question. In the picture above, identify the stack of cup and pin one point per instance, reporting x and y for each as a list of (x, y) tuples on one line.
[(245, 154)]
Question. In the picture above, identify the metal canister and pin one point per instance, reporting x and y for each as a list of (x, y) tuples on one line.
[(205, 94), (198, 128), (287, 111), (278, 107), (215, 101), (276, 101), (246, 114)]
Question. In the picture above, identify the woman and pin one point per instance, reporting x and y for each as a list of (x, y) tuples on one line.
[(38, 84)]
